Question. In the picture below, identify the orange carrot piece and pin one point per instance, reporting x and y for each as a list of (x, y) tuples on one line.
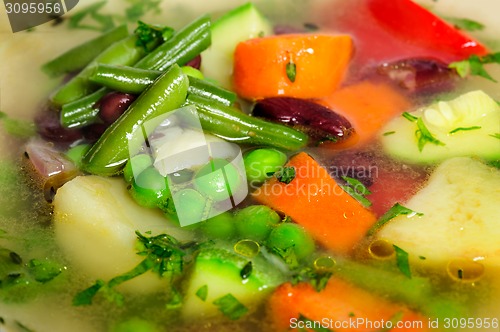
[(314, 200), (260, 65), (368, 106), (337, 305)]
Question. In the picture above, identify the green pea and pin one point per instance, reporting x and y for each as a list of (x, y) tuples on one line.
[(220, 226), (255, 222), (217, 179), (289, 235), (136, 164), (260, 164), (76, 153), (190, 206), (150, 189), (193, 72)]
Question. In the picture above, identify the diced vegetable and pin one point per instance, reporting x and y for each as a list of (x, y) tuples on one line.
[(459, 203), (416, 25), (368, 106), (110, 153), (241, 23), (315, 201), (220, 271), (99, 215), (301, 66), (460, 127), (339, 302)]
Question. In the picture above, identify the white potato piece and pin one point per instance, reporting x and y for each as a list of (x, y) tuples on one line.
[(95, 221), (460, 218)]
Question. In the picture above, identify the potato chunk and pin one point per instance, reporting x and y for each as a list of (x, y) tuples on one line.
[(95, 222)]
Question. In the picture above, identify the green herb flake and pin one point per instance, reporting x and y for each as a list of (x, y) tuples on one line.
[(387, 133), (202, 293), (352, 314), (318, 279), (424, 136), (402, 261), (90, 18), (357, 190), (246, 271), (291, 71), (396, 210), (288, 256), (460, 274), (312, 325), (474, 65), (175, 301), (230, 307), (286, 175), (465, 24), (496, 135), (148, 35), (422, 258), (464, 129), (43, 270), (409, 117), (23, 327), (17, 128), (86, 296)]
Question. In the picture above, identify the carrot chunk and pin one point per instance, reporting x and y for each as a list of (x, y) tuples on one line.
[(295, 65), (368, 106), (314, 200), (340, 306)]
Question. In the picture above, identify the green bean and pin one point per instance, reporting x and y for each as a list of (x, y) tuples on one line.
[(183, 46), (231, 124), (76, 153), (255, 222), (109, 154), (288, 235), (81, 55), (82, 112), (261, 164), (125, 52), (135, 80)]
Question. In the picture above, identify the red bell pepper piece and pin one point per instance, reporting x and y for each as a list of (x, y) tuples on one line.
[(417, 25)]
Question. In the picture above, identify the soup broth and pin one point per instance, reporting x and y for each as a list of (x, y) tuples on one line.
[(29, 239)]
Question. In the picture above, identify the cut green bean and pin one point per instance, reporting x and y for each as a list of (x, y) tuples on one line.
[(81, 55), (110, 153), (125, 52), (134, 80), (83, 111), (233, 125), (183, 46)]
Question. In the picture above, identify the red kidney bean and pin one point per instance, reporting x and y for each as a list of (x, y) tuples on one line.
[(112, 105), (316, 120), (195, 62), (49, 127), (420, 75)]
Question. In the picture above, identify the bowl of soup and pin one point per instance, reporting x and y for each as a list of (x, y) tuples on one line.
[(326, 165)]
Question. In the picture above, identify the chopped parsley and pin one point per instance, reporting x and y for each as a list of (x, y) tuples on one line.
[(148, 35), (464, 129), (424, 136), (286, 175), (387, 133), (230, 307), (312, 325), (357, 190), (465, 24), (496, 135), (396, 210), (402, 261), (17, 128), (202, 292), (90, 18), (474, 65), (409, 117), (246, 271), (317, 278), (291, 71), (163, 254)]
